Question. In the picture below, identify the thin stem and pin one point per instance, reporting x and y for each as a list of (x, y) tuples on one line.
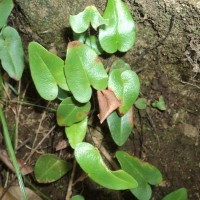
[(11, 153)]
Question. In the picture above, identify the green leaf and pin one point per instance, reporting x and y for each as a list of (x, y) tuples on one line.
[(120, 127), (6, 7), (83, 68), (77, 197), (93, 42), (81, 37), (81, 22), (125, 84), (159, 104), (120, 65), (70, 112), (89, 158), (49, 168), (180, 194), (141, 103), (143, 172), (120, 32), (76, 132), (47, 71), (12, 53)]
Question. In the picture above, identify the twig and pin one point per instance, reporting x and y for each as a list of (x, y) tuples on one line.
[(70, 185), (35, 149), (187, 83)]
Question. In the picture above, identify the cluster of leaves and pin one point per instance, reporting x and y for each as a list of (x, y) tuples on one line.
[(73, 81)]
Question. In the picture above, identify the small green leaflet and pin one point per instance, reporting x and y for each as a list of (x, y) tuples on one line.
[(76, 132), (143, 172), (81, 22), (47, 71), (159, 104), (120, 32), (12, 53), (89, 158), (49, 168), (120, 127), (6, 7), (84, 69), (77, 197), (180, 194), (141, 103), (125, 84), (93, 42), (71, 111)]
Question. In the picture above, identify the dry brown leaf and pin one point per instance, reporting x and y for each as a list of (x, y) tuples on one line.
[(4, 157), (15, 191), (62, 145), (107, 103), (7, 195)]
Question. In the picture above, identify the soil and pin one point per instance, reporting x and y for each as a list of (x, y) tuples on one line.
[(167, 58)]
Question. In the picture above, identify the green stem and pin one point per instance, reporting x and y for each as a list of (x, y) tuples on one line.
[(12, 153)]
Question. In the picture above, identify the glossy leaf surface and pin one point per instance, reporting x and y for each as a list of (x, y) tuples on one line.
[(120, 127), (143, 172), (47, 71), (141, 103), (83, 69), (76, 132), (12, 53), (6, 7), (49, 168), (125, 84), (180, 194), (70, 112), (120, 32), (91, 162), (81, 22)]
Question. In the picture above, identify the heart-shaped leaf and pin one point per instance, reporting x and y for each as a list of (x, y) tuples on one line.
[(83, 68), (70, 111), (125, 84), (107, 103), (120, 32), (141, 103), (81, 22), (6, 7), (143, 172), (180, 194), (159, 104), (12, 53), (76, 132), (89, 158), (120, 127), (47, 71), (49, 168)]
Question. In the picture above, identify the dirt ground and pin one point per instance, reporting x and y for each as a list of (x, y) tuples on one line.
[(167, 60)]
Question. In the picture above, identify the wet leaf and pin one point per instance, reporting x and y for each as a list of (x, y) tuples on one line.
[(6, 7), (50, 168), (76, 132), (120, 32), (125, 84), (107, 103), (159, 104), (89, 158), (141, 103), (46, 71), (83, 69), (143, 172), (71, 111), (81, 22), (12, 53), (180, 194), (120, 127), (77, 197)]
